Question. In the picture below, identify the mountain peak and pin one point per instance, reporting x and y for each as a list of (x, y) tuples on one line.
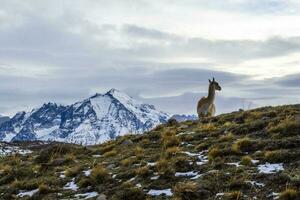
[(94, 120), (113, 90)]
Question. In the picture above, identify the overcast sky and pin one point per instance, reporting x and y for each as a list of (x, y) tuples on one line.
[(161, 52)]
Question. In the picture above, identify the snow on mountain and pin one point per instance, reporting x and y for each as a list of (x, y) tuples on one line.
[(97, 119)]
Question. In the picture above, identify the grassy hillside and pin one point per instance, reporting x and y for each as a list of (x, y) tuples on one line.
[(243, 155)]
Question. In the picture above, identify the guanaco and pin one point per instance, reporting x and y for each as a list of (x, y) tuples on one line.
[(206, 106)]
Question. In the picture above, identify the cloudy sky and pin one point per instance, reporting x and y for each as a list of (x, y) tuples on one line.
[(161, 52)]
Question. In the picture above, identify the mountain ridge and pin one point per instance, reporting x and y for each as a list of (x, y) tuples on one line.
[(96, 119)]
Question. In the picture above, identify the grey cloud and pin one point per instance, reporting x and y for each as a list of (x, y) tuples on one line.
[(67, 88), (98, 57), (289, 81)]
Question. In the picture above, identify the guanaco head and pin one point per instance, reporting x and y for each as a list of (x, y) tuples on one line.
[(214, 84)]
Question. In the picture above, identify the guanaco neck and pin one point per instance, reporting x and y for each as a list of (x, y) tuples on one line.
[(211, 94)]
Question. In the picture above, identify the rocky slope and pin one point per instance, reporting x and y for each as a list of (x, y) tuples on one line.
[(243, 155), (97, 119)]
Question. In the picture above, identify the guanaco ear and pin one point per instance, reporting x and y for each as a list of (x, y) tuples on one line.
[(213, 79), (209, 80)]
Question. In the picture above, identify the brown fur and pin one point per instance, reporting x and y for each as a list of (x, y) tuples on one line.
[(206, 106)]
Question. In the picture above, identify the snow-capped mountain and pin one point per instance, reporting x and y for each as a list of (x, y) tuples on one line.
[(99, 118)]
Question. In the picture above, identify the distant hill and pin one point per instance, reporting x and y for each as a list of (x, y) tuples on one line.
[(242, 155), (182, 118)]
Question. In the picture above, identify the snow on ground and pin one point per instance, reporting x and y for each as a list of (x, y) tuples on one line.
[(6, 150), (166, 192), (194, 175), (254, 183), (203, 159), (220, 194), (186, 133), (138, 185), (274, 195), (154, 177), (151, 164), (87, 195), (186, 174), (268, 168), (132, 179), (237, 164), (96, 156), (87, 172), (255, 161), (71, 185), (28, 193), (62, 174)]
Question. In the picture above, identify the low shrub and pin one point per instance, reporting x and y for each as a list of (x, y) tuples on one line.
[(128, 161), (99, 174), (246, 160), (164, 167), (172, 151), (129, 191), (170, 139), (110, 153), (142, 171), (44, 189), (186, 190), (289, 194), (139, 152), (73, 171), (242, 145)]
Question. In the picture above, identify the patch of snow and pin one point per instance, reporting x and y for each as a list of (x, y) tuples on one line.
[(166, 192), (138, 185), (237, 164), (97, 156), (196, 177), (274, 195), (28, 193), (132, 179), (71, 185), (62, 174), (203, 159), (186, 174), (154, 177), (151, 164), (254, 161), (6, 150), (268, 168), (220, 194), (186, 133), (87, 172), (254, 183), (190, 154), (87, 195)]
